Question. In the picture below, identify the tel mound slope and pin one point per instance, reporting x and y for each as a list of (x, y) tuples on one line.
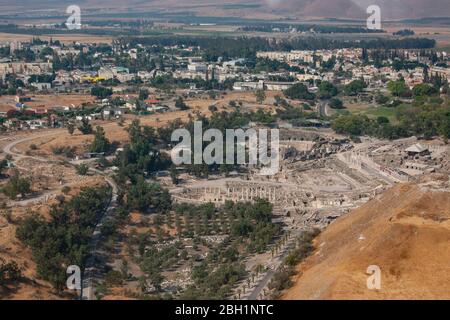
[(405, 231)]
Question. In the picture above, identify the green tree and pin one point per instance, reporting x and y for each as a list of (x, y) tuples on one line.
[(381, 99), (3, 166), (260, 96), (100, 143), (174, 174), (354, 87), (16, 186), (9, 272), (299, 91), (70, 128), (82, 169), (179, 103), (101, 92), (62, 239), (382, 120), (46, 51), (336, 103), (397, 88), (423, 89), (85, 127), (143, 94), (327, 90), (65, 189)]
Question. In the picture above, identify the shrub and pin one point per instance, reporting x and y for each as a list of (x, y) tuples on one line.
[(114, 278), (16, 186), (82, 169), (336, 103), (66, 151), (65, 189), (9, 271)]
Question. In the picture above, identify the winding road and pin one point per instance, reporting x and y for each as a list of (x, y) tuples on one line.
[(323, 108)]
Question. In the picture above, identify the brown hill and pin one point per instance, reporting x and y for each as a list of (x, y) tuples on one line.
[(316, 8), (406, 232)]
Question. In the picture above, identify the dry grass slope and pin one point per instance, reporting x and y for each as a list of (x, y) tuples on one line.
[(406, 232)]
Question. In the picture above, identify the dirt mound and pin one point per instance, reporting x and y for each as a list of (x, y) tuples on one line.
[(405, 231)]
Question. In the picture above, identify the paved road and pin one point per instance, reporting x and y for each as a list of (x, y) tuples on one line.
[(9, 148), (323, 108), (261, 285), (90, 271), (276, 263), (41, 196)]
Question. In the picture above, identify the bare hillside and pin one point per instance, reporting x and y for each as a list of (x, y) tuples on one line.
[(406, 232), (390, 9)]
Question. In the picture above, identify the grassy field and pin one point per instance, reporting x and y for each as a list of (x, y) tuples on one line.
[(381, 112)]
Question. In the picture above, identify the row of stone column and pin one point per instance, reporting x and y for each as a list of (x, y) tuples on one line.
[(241, 193)]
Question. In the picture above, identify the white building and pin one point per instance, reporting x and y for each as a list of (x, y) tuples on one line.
[(41, 86)]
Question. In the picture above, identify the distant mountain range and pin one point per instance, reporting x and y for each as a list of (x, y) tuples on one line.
[(342, 9)]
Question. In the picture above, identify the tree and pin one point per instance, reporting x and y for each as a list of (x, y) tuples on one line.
[(143, 94), (124, 269), (423, 89), (336, 103), (46, 51), (352, 124), (65, 189), (212, 108), (327, 90), (174, 174), (145, 196), (156, 279), (16, 186), (70, 128), (101, 92), (179, 103), (100, 143), (299, 91), (382, 120), (212, 94), (114, 278), (82, 169), (9, 272), (85, 127), (260, 96), (397, 88), (381, 99), (63, 238), (354, 87), (3, 166)]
